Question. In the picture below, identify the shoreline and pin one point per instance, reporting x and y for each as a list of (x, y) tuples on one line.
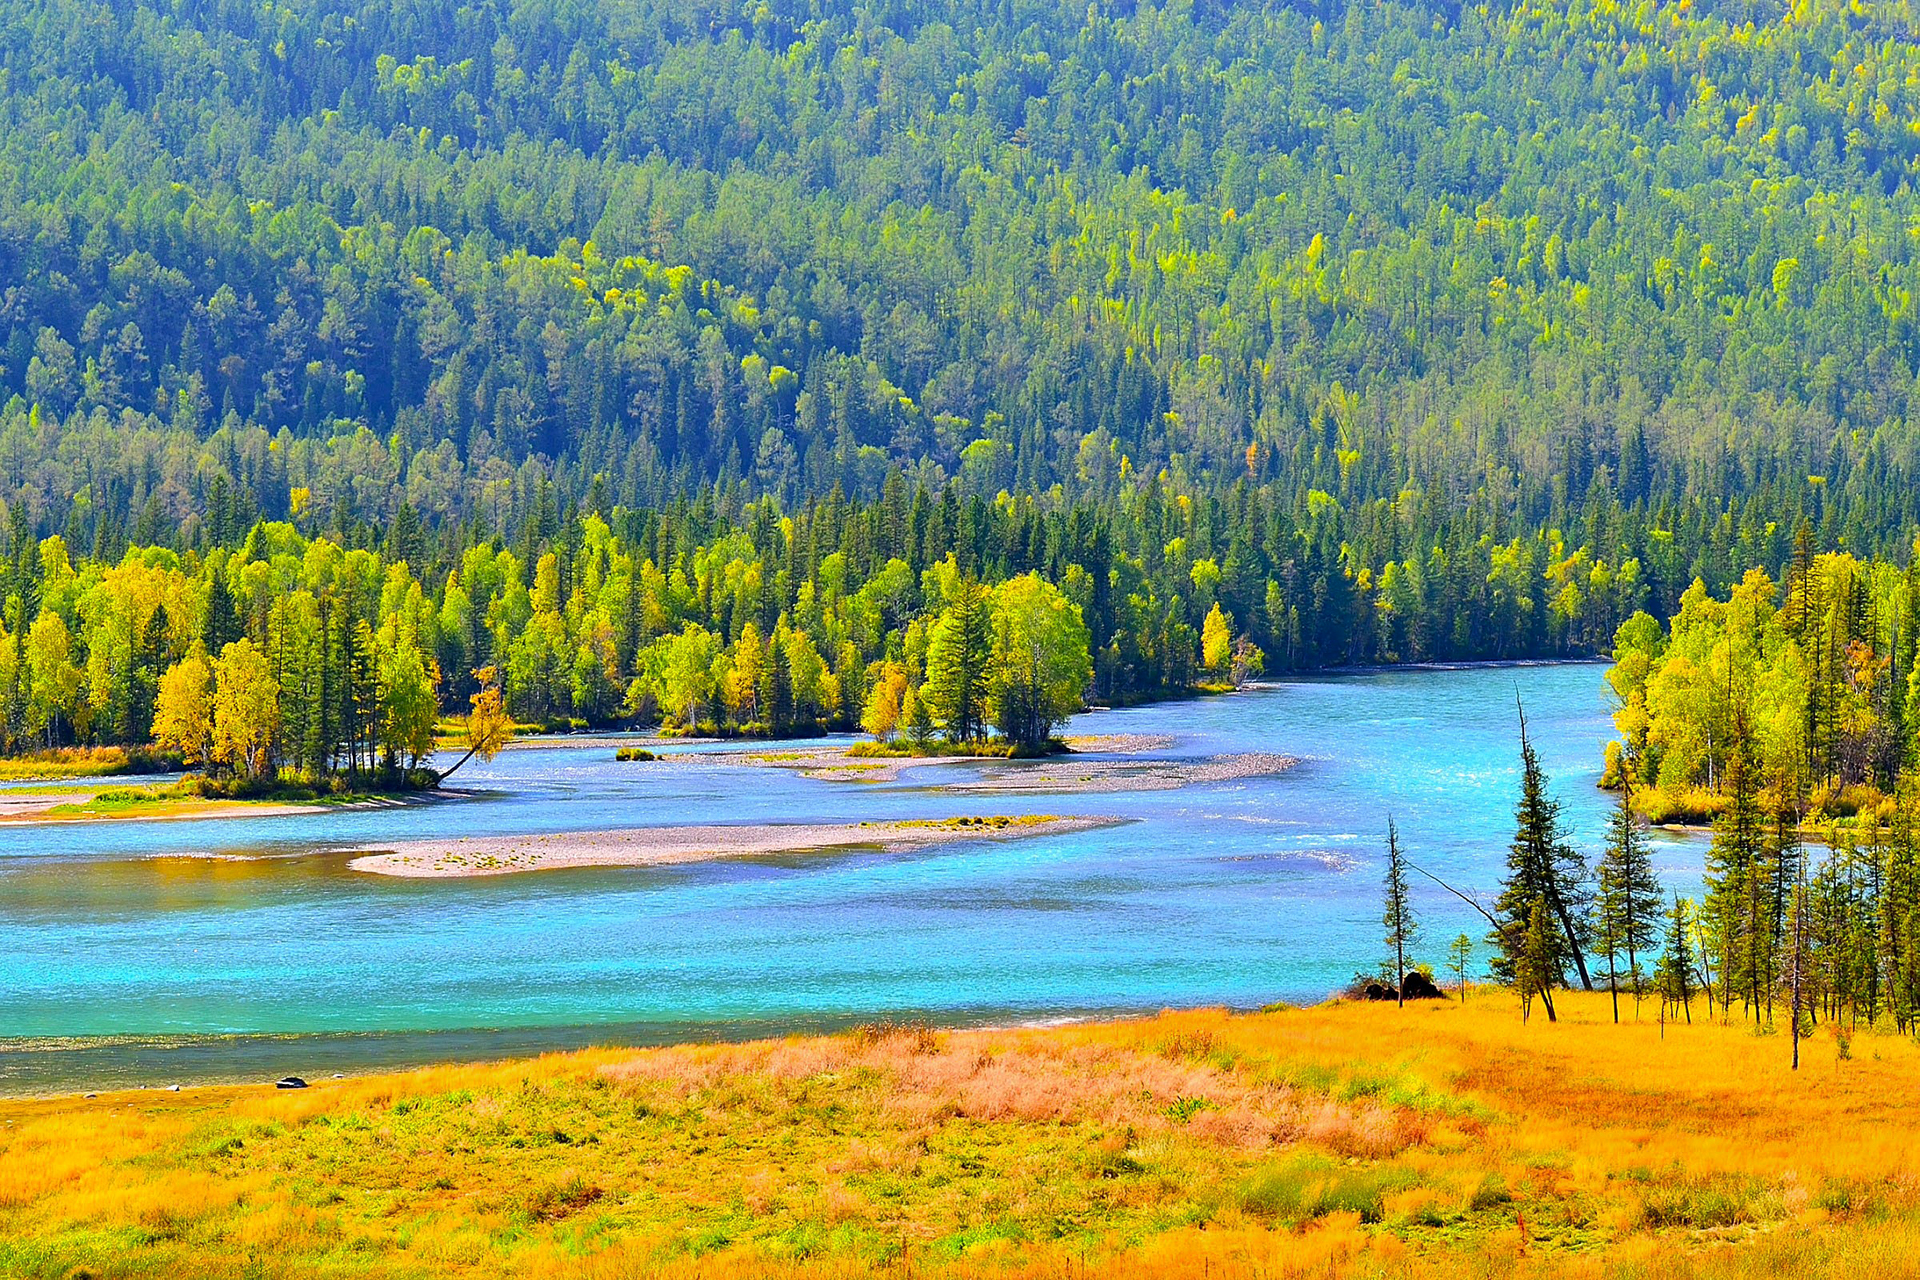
[(1470, 664), (328, 1055), (1063, 775), (190, 808), (672, 846)]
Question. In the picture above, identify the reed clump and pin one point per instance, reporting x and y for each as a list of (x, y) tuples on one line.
[(1342, 1140)]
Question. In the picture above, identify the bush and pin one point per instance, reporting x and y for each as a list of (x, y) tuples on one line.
[(1313, 1187), (557, 1200), (1695, 805), (638, 754), (1721, 1201)]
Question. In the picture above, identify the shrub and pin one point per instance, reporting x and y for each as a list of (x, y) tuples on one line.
[(1719, 1201), (557, 1200), (1313, 1187)]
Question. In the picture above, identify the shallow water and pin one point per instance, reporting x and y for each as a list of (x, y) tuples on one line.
[(241, 948)]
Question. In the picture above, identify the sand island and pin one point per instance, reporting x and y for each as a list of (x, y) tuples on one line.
[(665, 846)]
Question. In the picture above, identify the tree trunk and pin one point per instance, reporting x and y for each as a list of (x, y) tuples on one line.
[(457, 763), (1579, 960)]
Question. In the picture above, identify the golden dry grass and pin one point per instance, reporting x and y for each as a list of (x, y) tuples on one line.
[(1343, 1140), (65, 762)]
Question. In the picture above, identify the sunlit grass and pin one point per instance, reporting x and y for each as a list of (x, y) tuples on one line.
[(66, 762), (1344, 1140)]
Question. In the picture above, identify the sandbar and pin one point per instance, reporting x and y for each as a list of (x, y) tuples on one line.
[(666, 846), (1119, 744), (1065, 775), (1074, 773)]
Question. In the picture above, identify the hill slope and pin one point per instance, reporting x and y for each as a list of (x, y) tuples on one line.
[(1504, 254)]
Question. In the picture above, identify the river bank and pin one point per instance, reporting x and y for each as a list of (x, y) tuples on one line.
[(122, 803)]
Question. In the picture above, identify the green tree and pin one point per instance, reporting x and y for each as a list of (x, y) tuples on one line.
[(960, 663), (1627, 906), (410, 707), (1542, 868), (1040, 651), (1739, 892), (1676, 962), (919, 721), (1459, 954), (222, 621), (1538, 971)]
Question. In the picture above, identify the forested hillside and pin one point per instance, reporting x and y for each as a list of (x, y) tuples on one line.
[(1435, 331)]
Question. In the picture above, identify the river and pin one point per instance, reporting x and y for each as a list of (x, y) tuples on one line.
[(192, 950)]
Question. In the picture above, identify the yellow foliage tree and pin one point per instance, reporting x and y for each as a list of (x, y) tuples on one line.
[(1216, 641), (488, 724), (246, 710), (183, 709), (882, 717)]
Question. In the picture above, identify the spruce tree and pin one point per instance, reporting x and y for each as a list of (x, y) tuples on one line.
[(1676, 963), (1627, 907), (1739, 889), (1899, 914), (1458, 954), (222, 621), (1539, 969), (959, 663), (149, 664), (1541, 867)]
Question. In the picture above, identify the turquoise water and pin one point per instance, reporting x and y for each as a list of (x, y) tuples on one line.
[(240, 947)]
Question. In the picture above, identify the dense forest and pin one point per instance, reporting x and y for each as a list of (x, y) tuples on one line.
[(1784, 715), (1351, 333), (1803, 690)]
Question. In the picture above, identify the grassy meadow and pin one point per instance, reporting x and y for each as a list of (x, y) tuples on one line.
[(1340, 1140)]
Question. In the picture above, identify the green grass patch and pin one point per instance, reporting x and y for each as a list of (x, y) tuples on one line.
[(1313, 1186)]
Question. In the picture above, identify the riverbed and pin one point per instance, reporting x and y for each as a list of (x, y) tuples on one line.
[(135, 952)]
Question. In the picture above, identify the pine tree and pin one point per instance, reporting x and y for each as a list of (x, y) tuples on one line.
[(1543, 868), (1739, 889), (1627, 906), (1398, 917), (1458, 954), (1676, 963), (222, 622), (959, 659), (1539, 972)]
